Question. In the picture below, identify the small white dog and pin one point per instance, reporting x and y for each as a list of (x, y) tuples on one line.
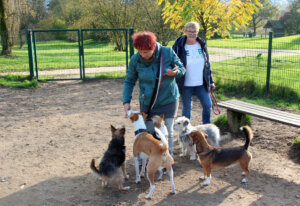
[(183, 126)]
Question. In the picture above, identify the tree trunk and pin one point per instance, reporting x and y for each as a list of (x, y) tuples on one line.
[(254, 25), (6, 39)]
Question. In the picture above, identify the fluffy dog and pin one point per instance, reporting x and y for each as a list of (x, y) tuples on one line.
[(183, 126), (216, 157), (112, 165), (158, 153)]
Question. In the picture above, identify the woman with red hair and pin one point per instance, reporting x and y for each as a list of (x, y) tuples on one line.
[(152, 62)]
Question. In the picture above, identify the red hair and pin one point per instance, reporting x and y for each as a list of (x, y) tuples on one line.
[(145, 40)]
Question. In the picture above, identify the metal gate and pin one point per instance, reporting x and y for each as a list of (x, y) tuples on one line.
[(77, 54)]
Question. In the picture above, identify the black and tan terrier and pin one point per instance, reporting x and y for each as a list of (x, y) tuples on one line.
[(112, 165), (213, 158)]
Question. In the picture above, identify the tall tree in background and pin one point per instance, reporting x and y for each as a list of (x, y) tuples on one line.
[(9, 24), (151, 20), (266, 12), (5, 40), (291, 19), (214, 16)]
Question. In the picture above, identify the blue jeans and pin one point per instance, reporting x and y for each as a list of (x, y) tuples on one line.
[(203, 95)]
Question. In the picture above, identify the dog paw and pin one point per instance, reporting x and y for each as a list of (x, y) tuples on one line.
[(124, 188), (244, 180), (193, 158), (127, 177), (181, 155), (243, 173), (206, 183), (202, 178), (137, 180)]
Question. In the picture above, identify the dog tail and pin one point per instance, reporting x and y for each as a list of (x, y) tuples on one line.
[(249, 135), (94, 168)]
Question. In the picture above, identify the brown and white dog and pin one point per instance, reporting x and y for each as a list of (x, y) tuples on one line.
[(158, 153), (217, 158)]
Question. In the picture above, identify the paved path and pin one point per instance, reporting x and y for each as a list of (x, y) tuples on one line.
[(226, 54)]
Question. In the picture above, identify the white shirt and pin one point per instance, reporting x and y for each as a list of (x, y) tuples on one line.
[(194, 65)]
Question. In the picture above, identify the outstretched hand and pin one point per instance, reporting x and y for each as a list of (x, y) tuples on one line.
[(126, 109)]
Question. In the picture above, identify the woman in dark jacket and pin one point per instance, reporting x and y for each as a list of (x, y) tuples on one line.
[(197, 80)]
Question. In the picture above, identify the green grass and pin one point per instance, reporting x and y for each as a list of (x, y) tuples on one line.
[(64, 55), (17, 81), (222, 122), (284, 73), (116, 74), (297, 141), (288, 42), (252, 92)]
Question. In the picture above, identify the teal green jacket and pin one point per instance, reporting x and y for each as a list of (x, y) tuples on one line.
[(146, 74)]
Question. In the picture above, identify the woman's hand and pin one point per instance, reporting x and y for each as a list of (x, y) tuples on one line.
[(126, 109), (171, 72), (212, 86)]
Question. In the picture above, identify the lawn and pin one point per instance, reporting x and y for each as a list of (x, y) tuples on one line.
[(62, 55), (288, 42)]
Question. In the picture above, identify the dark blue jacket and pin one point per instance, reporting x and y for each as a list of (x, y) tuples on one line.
[(178, 47)]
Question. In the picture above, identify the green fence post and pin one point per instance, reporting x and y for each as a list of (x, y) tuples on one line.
[(269, 63), (131, 49), (30, 56)]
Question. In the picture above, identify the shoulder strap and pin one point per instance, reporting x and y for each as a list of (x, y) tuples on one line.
[(158, 84)]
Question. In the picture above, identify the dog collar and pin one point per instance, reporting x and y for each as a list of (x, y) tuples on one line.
[(139, 131)]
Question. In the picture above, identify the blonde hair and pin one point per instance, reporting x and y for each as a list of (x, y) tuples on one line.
[(192, 24)]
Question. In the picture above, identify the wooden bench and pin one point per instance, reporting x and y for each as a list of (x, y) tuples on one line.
[(236, 111)]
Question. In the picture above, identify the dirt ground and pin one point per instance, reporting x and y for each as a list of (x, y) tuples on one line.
[(49, 136)]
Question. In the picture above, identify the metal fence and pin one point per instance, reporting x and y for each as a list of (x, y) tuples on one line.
[(77, 53), (65, 54), (272, 63)]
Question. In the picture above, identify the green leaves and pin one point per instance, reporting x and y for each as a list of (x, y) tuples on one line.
[(214, 16)]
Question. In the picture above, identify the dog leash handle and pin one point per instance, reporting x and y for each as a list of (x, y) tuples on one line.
[(215, 103)]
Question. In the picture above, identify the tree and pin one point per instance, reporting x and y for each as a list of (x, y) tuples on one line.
[(151, 20), (266, 12), (9, 24), (291, 19), (214, 16)]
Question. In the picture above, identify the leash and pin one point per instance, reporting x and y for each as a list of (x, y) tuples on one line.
[(215, 103)]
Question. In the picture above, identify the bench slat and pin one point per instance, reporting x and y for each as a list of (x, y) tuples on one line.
[(232, 103), (263, 112)]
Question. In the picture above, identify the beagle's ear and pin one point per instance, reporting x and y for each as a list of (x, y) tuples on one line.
[(144, 115)]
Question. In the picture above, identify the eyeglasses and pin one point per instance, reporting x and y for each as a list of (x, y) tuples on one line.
[(191, 32)]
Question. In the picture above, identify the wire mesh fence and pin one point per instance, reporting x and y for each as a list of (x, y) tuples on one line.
[(245, 59)]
